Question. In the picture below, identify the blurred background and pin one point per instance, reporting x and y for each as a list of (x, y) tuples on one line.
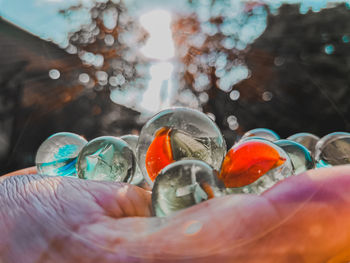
[(103, 67)]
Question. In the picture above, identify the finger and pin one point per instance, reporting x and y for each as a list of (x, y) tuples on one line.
[(303, 219), (119, 199), (30, 170)]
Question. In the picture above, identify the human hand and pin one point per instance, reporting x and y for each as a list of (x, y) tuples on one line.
[(305, 218)]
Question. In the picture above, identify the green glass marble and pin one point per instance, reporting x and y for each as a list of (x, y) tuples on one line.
[(106, 158), (183, 184)]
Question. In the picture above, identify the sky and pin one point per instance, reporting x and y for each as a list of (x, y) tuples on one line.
[(41, 18)]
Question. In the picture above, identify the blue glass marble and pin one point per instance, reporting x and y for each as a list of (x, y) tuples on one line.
[(299, 155), (262, 133), (57, 155), (106, 158), (333, 149)]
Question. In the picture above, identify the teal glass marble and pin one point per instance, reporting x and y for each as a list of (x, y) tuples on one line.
[(262, 133), (183, 184), (299, 155), (333, 149), (308, 140), (193, 135), (106, 158), (57, 155), (138, 178)]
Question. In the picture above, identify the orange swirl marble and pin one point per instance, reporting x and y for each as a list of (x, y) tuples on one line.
[(159, 153), (247, 162)]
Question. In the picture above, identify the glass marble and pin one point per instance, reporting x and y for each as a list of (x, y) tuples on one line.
[(306, 139), (183, 184), (261, 133), (57, 155), (106, 158), (299, 155), (175, 134), (333, 149), (253, 166), (138, 178)]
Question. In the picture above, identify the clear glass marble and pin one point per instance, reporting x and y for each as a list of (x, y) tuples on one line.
[(306, 139), (333, 149), (299, 155), (261, 133), (178, 133), (183, 184), (106, 158), (138, 178), (57, 155), (253, 166)]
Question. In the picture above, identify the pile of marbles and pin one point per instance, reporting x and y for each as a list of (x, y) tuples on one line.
[(181, 155)]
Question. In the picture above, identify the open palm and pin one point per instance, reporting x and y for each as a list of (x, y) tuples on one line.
[(305, 218)]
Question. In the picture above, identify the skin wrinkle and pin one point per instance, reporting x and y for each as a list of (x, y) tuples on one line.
[(89, 196), (17, 193), (106, 212), (79, 236), (12, 196), (29, 214), (51, 203), (46, 211), (103, 248)]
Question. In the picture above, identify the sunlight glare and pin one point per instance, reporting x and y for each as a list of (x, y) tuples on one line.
[(160, 48), (157, 96), (160, 42)]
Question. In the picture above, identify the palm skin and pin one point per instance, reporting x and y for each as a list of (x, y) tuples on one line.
[(305, 218)]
